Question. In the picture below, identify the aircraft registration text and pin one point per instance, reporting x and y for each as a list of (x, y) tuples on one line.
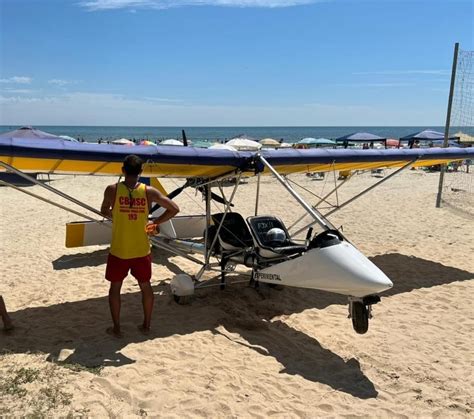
[(268, 276)]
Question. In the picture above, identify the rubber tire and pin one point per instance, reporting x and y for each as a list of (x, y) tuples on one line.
[(182, 300), (360, 317)]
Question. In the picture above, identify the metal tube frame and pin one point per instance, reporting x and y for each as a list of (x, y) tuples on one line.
[(359, 194), (318, 217), (50, 188)]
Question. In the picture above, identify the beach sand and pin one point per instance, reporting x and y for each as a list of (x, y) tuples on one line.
[(237, 353)]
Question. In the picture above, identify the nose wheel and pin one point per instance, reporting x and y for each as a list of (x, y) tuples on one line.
[(360, 311)]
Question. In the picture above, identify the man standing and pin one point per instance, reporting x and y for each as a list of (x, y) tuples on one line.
[(128, 204)]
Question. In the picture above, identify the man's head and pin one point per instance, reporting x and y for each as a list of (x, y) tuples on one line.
[(132, 165)]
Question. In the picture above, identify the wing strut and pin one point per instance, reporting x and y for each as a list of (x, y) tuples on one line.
[(318, 217), (51, 189), (358, 195)]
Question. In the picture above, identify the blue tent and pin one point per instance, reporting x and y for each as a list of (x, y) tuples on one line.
[(426, 135), (361, 136)]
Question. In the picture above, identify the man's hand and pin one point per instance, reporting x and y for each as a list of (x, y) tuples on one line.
[(152, 229)]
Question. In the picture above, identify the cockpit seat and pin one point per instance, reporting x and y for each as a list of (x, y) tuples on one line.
[(267, 230), (234, 233)]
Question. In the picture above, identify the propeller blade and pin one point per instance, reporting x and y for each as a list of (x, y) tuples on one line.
[(185, 140)]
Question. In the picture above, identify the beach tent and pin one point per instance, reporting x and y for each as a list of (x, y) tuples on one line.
[(464, 138), (29, 132), (360, 137), (218, 146), (426, 135), (171, 141), (243, 144), (123, 141), (269, 143)]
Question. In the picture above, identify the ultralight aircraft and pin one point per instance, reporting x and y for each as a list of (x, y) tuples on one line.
[(325, 261)]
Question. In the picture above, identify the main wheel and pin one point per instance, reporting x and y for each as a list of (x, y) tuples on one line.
[(360, 317), (183, 299)]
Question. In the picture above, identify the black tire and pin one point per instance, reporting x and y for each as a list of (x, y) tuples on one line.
[(360, 317), (182, 300)]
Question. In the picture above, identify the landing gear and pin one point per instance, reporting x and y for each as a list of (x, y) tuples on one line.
[(360, 317), (360, 311), (182, 299)]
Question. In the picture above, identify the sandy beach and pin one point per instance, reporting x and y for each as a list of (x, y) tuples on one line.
[(237, 353)]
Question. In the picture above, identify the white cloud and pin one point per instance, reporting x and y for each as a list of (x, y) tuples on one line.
[(61, 82), (85, 108), (163, 99), (17, 80), (9, 90), (94, 5)]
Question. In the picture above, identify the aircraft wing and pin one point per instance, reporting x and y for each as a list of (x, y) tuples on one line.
[(58, 156)]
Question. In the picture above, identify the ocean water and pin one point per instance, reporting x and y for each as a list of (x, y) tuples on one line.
[(205, 136)]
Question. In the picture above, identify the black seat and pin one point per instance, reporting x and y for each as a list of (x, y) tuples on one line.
[(260, 225), (234, 233)]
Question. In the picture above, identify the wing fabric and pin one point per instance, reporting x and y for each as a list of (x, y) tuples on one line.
[(58, 156)]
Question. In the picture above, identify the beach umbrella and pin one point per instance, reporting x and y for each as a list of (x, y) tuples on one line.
[(147, 142), (123, 141), (316, 142), (172, 141), (30, 132), (269, 142), (285, 145), (218, 146), (68, 138), (244, 144), (391, 142)]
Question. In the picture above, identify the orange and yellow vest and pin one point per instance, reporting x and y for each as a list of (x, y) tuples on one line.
[(129, 218)]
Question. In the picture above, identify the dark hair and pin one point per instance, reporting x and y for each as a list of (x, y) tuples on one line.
[(132, 165)]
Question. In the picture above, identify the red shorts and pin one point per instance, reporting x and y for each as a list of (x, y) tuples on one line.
[(117, 268)]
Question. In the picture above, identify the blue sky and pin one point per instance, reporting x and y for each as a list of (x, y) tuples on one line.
[(229, 62)]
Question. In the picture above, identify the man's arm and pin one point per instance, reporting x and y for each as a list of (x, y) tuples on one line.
[(108, 201), (154, 195)]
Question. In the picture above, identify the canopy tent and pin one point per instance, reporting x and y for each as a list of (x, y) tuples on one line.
[(244, 144), (360, 137), (269, 143), (172, 141), (465, 138), (30, 132), (426, 135)]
